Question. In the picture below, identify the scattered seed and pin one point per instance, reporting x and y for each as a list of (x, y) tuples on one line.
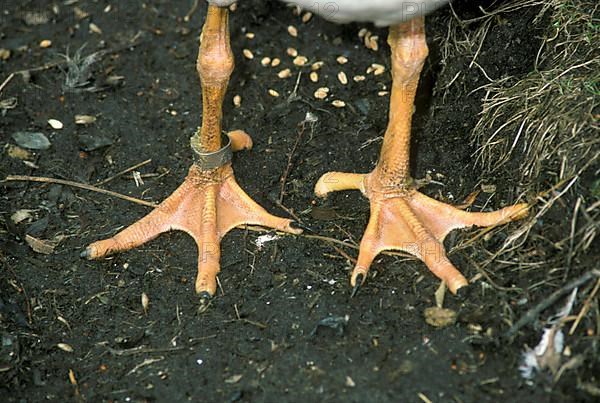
[(316, 65), (72, 377), (349, 382), (55, 124), (248, 54), (292, 52), (285, 73), (233, 7), (273, 93), (249, 35), (297, 10), (378, 69), (362, 32), (65, 347), (321, 93), (373, 44), (338, 103), (4, 54), (382, 93), (46, 43), (84, 119), (342, 60), (275, 62), (237, 101), (314, 76), (342, 78), (306, 17), (293, 31), (300, 60), (265, 61), (359, 78), (95, 28), (145, 302)]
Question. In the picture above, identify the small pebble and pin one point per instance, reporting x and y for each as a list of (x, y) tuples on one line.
[(273, 93), (46, 43), (285, 73), (55, 124), (248, 54), (300, 60), (292, 31), (338, 103)]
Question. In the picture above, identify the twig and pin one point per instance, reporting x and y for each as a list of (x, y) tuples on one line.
[(551, 299), (123, 172), (191, 12), (10, 77), (586, 307), (288, 168), (24, 178)]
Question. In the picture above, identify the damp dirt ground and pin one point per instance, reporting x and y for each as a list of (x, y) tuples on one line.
[(75, 330)]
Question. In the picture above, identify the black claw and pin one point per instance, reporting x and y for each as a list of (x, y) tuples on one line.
[(86, 253), (463, 293), (357, 284), (204, 297), (299, 225)]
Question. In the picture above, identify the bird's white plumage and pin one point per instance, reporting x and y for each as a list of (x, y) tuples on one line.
[(379, 12)]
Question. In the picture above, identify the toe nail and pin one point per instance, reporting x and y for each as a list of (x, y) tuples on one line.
[(357, 283), (204, 296), (463, 292), (86, 253), (296, 225)]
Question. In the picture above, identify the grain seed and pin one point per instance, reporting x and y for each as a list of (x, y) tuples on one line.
[(338, 103), (145, 302), (237, 101), (95, 28), (84, 119), (292, 52), (292, 30), (342, 78), (300, 60), (373, 44), (362, 32), (342, 60), (46, 43), (285, 73), (378, 69), (273, 93), (382, 93), (249, 35), (314, 76), (321, 93), (275, 62), (233, 7), (306, 17), (265, 61), (55, 124), (65, 347), (248, 54), (316, 65), (359, 78)]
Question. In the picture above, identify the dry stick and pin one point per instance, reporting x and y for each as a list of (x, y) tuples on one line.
[(288, 168), (551, 299), (10, 77), (123, 172), (586, 308), (24, 178)]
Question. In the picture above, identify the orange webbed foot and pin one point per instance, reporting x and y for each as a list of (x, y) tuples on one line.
[(409, 221)]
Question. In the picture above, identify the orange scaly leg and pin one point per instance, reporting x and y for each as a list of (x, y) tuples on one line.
[(209, 203), (401, 217)]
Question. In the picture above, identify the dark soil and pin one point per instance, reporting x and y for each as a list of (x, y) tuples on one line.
[(259, 339)]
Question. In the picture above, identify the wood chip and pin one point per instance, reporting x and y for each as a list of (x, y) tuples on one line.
[(265, 61), (314, 76), (300, 60), (359, 78), (285, 73), (293, 31), (342, 78), (39, 246), (321, 93), (275, 62), (338, 103), (306, 17), (273, 93), (248, 54), (342, 59), (292, 52), (46, 43), (237, 101)]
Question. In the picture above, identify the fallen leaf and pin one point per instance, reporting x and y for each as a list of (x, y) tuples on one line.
[(39, 245)]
